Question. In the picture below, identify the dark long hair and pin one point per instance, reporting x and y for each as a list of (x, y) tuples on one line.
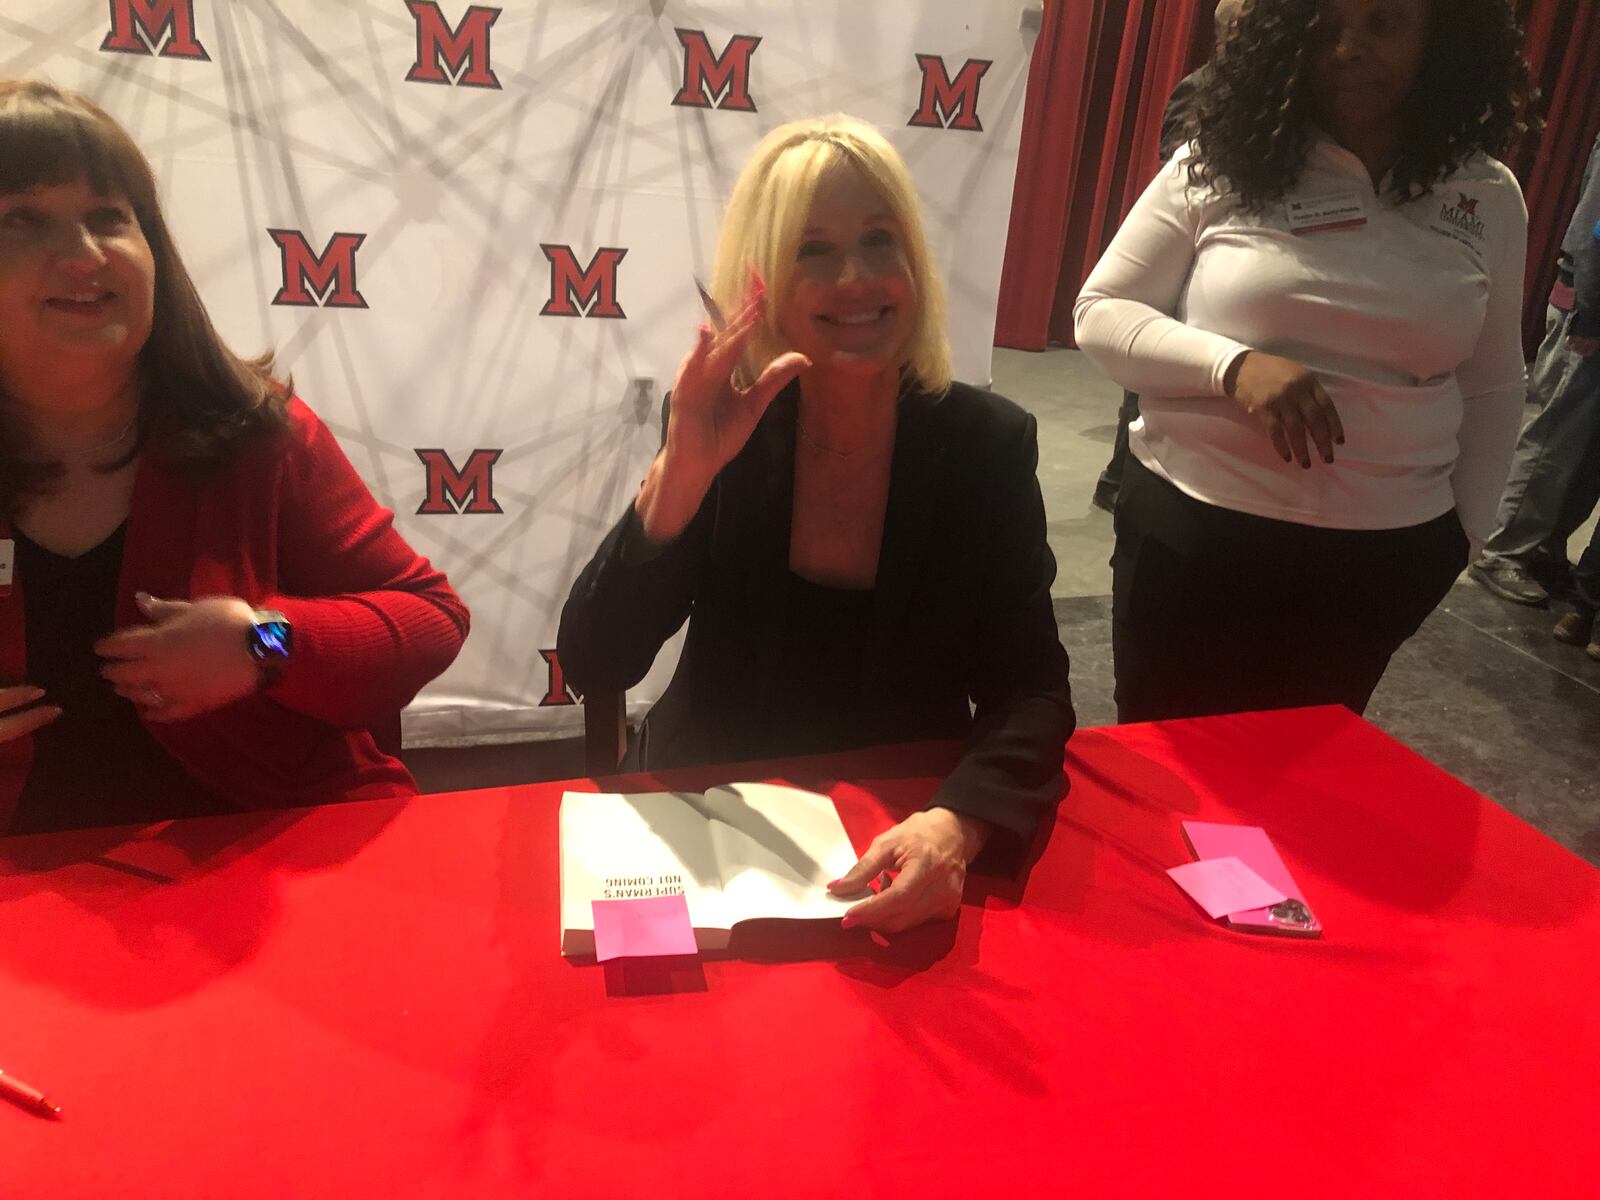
[(201, 401), (1254, 112)]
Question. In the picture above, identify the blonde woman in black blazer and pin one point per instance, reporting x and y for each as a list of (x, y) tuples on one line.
[(857, 543)]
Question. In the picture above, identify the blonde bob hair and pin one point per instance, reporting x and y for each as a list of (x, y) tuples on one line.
[(767, 214)]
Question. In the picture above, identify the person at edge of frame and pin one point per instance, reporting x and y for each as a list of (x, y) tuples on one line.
[(207, 611), (1555, 471), (1577, 628)]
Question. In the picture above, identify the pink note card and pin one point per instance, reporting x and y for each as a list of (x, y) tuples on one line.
[(642, 928), (1224, 886)]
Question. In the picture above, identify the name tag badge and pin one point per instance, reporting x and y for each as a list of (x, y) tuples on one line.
[(1325, 214), (8, 563)]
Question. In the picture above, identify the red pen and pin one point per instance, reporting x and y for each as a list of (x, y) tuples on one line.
[(30, 1098)]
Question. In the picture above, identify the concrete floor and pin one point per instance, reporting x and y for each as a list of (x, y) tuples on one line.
[(1483, 690)]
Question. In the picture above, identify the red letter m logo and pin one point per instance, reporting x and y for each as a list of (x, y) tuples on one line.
[(469, 490), (582, 291), (558, 691), (947, 105), (141, 26), (460, 55), (310, 279), (707, 76)]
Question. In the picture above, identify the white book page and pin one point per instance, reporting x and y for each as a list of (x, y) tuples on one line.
[(778, 847), (619, 847)]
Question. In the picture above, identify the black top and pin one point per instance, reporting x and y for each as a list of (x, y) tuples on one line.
[(95, 764), (824, 655), (957, 640)]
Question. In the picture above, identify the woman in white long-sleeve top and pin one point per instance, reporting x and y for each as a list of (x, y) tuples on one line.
[(1319, 303)]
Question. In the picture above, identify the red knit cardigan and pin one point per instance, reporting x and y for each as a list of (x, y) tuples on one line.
[(287, 524)]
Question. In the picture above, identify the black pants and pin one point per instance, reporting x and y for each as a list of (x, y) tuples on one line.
[(1111, 476), (1217, 611)]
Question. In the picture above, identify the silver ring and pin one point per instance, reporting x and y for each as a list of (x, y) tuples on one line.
[(152, 698)]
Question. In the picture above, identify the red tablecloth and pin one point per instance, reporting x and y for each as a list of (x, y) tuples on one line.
[(367, 1000)]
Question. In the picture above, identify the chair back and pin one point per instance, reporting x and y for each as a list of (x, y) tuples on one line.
[(605, 732)]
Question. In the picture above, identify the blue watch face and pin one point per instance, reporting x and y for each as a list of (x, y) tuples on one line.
[(271, 639)]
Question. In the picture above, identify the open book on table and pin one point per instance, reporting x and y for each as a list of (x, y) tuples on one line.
[(741, 852)]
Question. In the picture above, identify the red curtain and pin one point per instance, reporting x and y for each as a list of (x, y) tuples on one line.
[(1563, 46), (1100, 77)]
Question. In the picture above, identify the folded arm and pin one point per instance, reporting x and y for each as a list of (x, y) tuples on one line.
[(373, 621), (1124, 315)]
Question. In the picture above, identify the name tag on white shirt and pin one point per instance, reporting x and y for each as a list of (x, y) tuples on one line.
[(1326, 213)]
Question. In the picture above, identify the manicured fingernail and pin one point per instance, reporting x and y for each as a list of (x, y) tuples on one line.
[(847, 923)]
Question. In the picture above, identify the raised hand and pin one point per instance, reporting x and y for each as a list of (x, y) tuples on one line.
[(1288, 403), (711, 418)]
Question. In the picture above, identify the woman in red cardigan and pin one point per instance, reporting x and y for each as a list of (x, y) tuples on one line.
[(202, 608)]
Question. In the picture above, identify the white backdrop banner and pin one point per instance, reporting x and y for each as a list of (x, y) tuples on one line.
[(471, 234)]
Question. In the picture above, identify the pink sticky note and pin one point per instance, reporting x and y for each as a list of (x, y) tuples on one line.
[(641, 928), (1224, 886), (1249, 844)]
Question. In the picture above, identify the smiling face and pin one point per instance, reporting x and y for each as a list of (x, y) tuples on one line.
[(77, 284), (1368, 56), (851, 302)]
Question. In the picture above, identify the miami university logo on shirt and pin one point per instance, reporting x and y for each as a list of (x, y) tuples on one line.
[(949, 103), (311, 279), (557, 690), (583, 291), (458, 56), (164, 28), (711, 80), (1463, 216), (467, 491)]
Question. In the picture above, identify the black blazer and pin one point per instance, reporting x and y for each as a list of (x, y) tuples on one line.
[(961, 611)]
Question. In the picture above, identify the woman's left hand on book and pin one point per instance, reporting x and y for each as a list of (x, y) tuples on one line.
[(925, 858)]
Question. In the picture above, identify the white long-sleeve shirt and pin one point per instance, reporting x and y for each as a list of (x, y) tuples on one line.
[(1410, 319)]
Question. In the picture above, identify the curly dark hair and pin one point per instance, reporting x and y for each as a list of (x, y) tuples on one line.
[(1253, 113), (202, 401)]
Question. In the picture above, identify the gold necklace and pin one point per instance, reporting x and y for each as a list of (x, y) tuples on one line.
[(824, 447), (109, 444)]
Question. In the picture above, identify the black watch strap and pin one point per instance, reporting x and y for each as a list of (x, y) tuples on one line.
[(270, 641)]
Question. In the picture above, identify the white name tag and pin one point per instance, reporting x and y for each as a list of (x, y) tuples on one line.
[(1323, 214), (8, 560)]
